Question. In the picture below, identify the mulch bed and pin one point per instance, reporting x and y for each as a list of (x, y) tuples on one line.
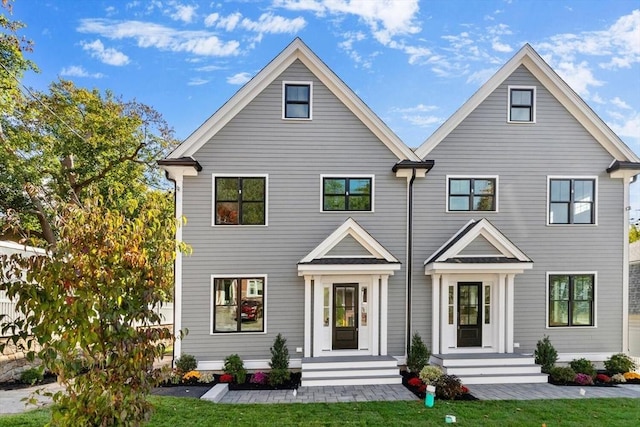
[(17, 385), (195, 391)]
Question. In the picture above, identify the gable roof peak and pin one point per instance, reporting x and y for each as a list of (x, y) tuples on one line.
[(528, 57), (296, 50)]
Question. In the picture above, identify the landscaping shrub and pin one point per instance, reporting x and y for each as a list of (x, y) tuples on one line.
[(545, 354), (418, 355), (186, 363), (583, 379), (562, 374), (279, 362), (206, 378), (415, 382), (234, 366), (32, 376), (631, 376), (191, 377), (226, 378), (430, 374), (619, 364), (259, 378), (583, 366), (448, 387), (602, 378)]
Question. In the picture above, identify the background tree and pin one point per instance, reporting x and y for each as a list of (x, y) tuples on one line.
[(88, 305), (634, 233)]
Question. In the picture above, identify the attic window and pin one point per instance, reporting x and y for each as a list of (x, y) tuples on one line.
[(296, 100), (522, 101)]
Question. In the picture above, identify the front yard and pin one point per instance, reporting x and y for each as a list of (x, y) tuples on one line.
[(172, 412)]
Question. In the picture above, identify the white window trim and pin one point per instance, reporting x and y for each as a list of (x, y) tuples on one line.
[(534, 104), (373, 187), (595, 199), (284, 99), (595, 299), (239, 175), (212, 302), (446, 195)]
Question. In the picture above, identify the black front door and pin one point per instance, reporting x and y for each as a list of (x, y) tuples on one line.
[(469, 318), (345, 317)]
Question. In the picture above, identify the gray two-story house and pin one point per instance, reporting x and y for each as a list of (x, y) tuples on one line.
[(309, 217)]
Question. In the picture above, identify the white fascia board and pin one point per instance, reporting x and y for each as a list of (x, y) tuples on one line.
[(327, 269), (352, 228), (444, 267), (179, 171), (450, 239), (13, 246)]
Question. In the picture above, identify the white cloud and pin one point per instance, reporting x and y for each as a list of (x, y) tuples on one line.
[(628, 126), (578, 76), (184, 13), (79, 71), (239, 79), (197, 81), (108, 56), (229, 23), (269, 23), (149, 35), (620, 103), (501, 47), (422, 120), (481, 76), (385, 18), (420, 108), (209, 68)]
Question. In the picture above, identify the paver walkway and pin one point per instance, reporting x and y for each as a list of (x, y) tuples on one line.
[(549, 391), (355, 393)]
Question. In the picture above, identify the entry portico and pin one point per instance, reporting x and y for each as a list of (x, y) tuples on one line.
[(346, 279), (473, 278)]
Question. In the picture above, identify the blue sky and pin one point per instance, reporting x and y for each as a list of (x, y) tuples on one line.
[(413, 62)]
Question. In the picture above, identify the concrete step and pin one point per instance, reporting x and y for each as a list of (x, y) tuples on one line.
[(481, 359), (317, 382), (492, 369), (504, 379), (344, 372)]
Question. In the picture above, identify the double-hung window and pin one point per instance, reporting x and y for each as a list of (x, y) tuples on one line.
[(571, 299), (238, 304), (572, 201), (471, 194), (296, 99), (522, 101), (240, 200), (347, 193)]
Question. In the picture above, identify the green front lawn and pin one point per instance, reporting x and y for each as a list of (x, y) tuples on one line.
[(173, 412)]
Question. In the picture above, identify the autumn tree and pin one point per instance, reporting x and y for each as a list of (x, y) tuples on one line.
[(87, 308)]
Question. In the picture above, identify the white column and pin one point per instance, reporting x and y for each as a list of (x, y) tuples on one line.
[(307, 316), (510, 301), (384, 306), (177, 271), (374, 315), (625, 265), (318, 309), (502, 309), (435, 314)]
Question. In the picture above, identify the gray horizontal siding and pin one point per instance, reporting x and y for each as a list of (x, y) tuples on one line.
[(294, 154), (523, 155)]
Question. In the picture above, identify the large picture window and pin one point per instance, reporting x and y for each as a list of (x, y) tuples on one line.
[(571, 299), (238, 304), (347, 194), (572, 201), (472, 194), (240, 200), (297, 100)]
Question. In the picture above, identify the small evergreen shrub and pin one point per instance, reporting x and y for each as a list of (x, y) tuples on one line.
[(279, 362), (418, 355), (448, 387), (619, 364), (32, 376), (234, 366), (583, 366), (186, 363), (545, 354), (562, 374), (430, 374)]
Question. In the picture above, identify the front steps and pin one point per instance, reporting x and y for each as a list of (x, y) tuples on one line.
[(349, 370), (491, 368)]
